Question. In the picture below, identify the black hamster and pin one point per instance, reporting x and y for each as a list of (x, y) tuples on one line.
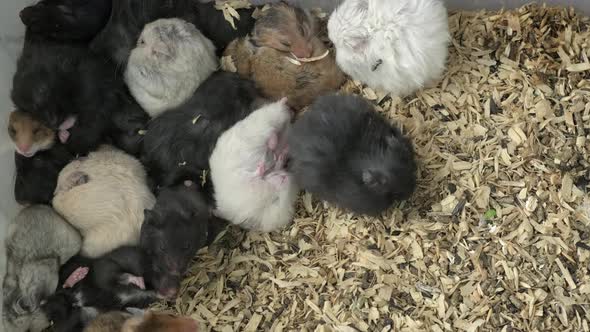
[(36, 177), (179, 142), (346, 153), (171, 234), (68, 89), (68, 20)]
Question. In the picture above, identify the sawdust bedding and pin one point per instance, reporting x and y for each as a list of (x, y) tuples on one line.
[(497, 236)]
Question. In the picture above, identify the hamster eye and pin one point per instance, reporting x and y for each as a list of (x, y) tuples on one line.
[(286, 43), (302, 30), (36, 131), (11, 131)]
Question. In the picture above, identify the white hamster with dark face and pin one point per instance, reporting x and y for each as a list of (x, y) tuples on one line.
[(171, 59), (397, 46), (103, 196), (248, 170)]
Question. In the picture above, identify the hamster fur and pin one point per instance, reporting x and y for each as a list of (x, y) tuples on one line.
[(326, 5), (180, 141), (286, 29), (171, 59), (28, 134), (346, 153), (277, 77), (397, 46), (103, 196), (111, 321), (68, 20), (38, 242), (36, 177), (128, 17), (171, 234), (252, 187), (159, 322), (140, 321)]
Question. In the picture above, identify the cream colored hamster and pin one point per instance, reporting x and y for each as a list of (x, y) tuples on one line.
[(104, 196)]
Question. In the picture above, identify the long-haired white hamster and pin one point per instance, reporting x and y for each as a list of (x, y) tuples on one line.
[(248, 170), (398, 46), (103, 196), (171, 59)]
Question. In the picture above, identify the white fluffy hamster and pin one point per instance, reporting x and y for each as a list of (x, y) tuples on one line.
[(252, 187), (104, 196), (171, 59), (398, 46)]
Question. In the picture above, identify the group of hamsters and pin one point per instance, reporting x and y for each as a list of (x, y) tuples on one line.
[(141, 127)]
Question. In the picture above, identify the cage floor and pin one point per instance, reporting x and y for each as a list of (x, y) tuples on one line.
[(497, 236)]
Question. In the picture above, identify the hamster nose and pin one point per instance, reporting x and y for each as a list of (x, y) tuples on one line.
[(23, 147), (302, 53), (169, 293)]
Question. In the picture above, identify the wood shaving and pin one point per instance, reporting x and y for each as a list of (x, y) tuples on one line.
[(229, 9), (497, 235)]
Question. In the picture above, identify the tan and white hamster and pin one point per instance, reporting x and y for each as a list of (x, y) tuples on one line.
[(28, 134)]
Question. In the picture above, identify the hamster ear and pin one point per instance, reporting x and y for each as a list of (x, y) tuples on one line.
[(374, 179), (161, 51), (392, 140)]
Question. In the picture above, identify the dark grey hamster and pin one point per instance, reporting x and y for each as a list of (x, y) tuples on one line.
[(346, 153)]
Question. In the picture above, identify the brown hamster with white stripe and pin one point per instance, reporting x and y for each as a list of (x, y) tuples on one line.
[(285, 58), (103, 195), (28, 134)]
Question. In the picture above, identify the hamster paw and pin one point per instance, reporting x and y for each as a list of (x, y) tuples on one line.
[(277, 179), (273, 141), (260, 169), (68, 123), (76, 276), (129, 279), (63, 136)]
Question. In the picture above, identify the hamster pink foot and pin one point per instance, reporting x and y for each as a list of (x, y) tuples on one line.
[(76, 276), (63, 133)]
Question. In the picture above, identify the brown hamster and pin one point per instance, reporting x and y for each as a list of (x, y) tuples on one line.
[(28, 134), (269, 56), (276, 76), (286, 29), (111, 321), (159, 322)]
